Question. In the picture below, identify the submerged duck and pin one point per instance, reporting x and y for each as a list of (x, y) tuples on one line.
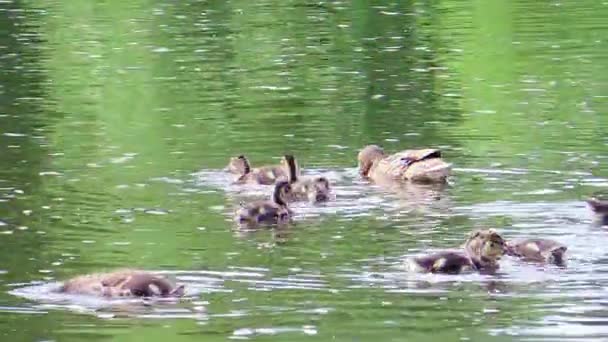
[(423, 166), (313, 189), (246, 174), (539, 250), (274, 211), (482, 251), (122, 283)]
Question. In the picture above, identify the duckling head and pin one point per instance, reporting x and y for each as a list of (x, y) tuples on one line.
[(367, 157), (318, 190), (485, 245)]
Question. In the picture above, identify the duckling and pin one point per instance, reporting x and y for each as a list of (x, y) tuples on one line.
[(238, 165), (122, 283), (539, 250), (265, 175), (314, 189), (482, 251), (274, 211), (600, 208), (421, 166)]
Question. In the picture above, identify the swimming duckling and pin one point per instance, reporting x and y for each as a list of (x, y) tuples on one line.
[(539, 250), (122, 283), (265, 175), (238, 165), (422, 166), (481, 252), (313, 189), (274, 211), (600, 208)]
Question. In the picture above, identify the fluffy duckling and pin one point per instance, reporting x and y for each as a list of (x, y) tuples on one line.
[(313, 189), (238, 165), (274, 211), (538, 250), (422, 166), (482, 251), (122, 283), (266, 175)]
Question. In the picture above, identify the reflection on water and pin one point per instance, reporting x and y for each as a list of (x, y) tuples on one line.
[(116, 117)]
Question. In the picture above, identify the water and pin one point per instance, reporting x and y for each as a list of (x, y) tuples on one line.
[(116, 118)]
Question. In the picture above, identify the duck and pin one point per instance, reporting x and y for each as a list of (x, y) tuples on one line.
[(481, 252), (122, 283), (313, 189), (265, 175), (419, 166), (538, 250), (273, 211), (600, 208)]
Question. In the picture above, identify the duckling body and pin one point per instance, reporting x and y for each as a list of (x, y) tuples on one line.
[(448, 262), (420, 166), (482, 251), (312, 189), (123, 283), (266, 175), (538, 250), (274, 211)]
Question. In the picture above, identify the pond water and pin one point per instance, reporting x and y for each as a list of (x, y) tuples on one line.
[(116, 119)]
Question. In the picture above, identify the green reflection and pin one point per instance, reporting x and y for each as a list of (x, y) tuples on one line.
[(131, 97)]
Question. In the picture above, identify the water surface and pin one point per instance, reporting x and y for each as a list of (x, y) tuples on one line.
[(116, 119)]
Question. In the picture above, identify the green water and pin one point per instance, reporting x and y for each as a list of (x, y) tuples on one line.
[(109, 110)]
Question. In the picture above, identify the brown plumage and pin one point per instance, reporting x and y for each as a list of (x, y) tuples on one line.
[(539, 250), (480, 252), (274, 211), (422, 166), (266, 175), (122, 283), (313, 189)]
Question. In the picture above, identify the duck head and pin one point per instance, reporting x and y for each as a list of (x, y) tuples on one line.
[(367, 157)]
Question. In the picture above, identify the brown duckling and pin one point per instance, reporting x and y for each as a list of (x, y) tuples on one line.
[(600, 208), (538, 250), (122, 283), (422, 166), (313, 189), (481, 252), (274, 211), (266, 175)]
